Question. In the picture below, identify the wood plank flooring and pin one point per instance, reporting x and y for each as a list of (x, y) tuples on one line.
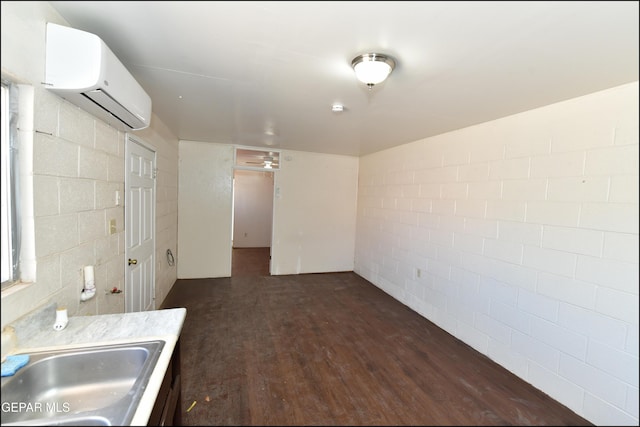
[(332, 349), (250, 262)]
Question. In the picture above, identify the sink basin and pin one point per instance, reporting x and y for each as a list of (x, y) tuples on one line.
[(96, 385)]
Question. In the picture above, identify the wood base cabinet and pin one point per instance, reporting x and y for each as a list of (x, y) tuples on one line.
[(168, 409)]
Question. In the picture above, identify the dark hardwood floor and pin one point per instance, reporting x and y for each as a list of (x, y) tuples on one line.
[(332, 349), (250, 262)]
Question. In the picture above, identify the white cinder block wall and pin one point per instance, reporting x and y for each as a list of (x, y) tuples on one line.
[(205, 188), (314, 216), (77, 164), (520, 237)]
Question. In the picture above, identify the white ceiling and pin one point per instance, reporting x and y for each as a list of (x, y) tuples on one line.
[(266, 74)]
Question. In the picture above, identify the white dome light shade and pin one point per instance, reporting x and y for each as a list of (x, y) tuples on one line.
[(372, 68)]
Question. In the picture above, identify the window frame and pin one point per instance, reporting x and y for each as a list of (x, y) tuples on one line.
[(11, 174)]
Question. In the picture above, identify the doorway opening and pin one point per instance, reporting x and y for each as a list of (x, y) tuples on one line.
[(253, 190)]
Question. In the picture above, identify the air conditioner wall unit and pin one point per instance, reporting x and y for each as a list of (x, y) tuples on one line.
[(82, 69)]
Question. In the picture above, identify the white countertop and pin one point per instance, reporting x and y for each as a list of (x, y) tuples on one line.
[(35, 333)]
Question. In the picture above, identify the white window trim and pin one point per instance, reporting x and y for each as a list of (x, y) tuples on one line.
[(24, 136), (26, 132)]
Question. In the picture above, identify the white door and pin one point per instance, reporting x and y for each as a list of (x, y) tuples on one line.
[(140, 171)]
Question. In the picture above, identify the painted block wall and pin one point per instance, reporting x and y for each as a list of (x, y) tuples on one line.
[(205, 209), (520, 237), (77, 165), (314, 213)]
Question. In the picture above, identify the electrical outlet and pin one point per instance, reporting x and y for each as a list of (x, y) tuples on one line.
[(418, 273), (112, 226)]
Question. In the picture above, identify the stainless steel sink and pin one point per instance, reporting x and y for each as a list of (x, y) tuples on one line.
[(97, 385)]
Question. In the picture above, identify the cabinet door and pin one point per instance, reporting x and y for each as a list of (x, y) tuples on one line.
[(169, 413), (168, 409), (163, 395)]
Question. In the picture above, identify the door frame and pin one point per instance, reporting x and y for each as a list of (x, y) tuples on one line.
[(133, 139)]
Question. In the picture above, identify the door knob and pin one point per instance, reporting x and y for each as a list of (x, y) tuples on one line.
[(133, 261)]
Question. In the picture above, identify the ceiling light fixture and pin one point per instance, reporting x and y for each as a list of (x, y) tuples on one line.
[(372, 68)]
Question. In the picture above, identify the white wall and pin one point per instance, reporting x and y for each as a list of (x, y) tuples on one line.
[(205, 211), (77, 166), (314, 213), (252, 209), (520, 237)]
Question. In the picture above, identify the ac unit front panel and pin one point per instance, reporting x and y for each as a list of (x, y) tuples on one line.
[(81, 68)]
